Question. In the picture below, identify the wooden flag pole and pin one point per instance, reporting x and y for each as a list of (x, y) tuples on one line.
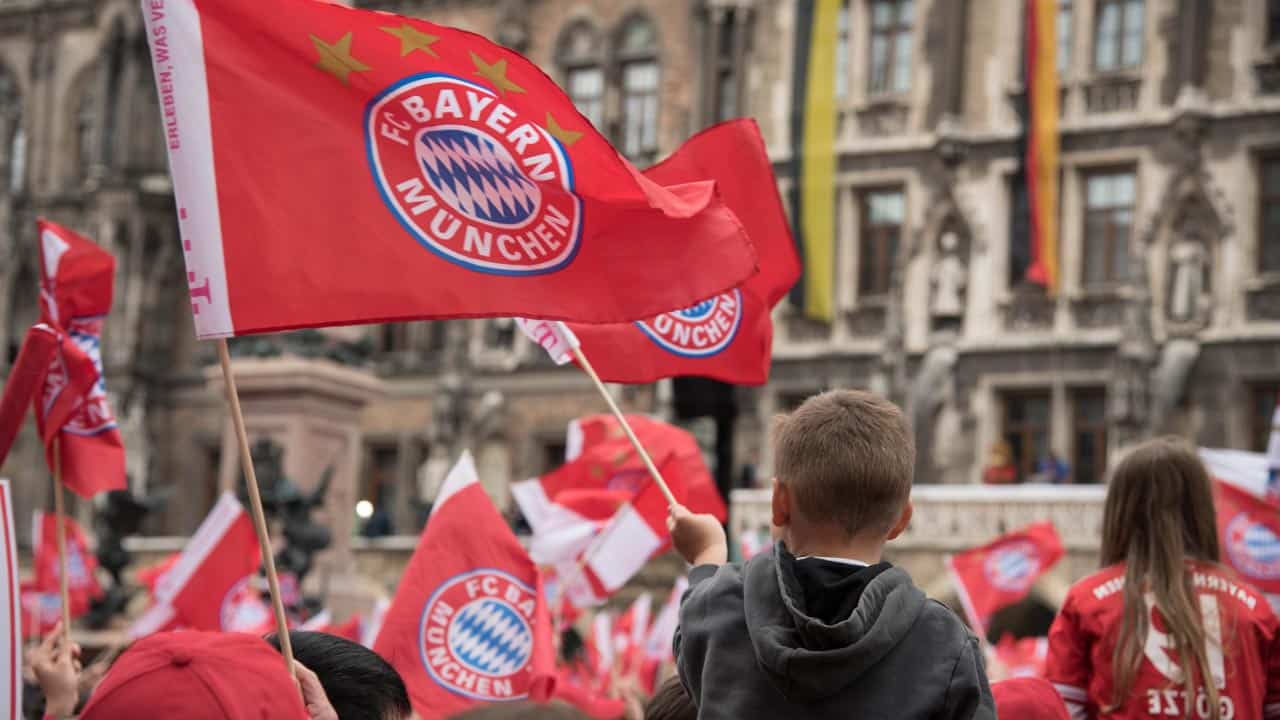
[(60, 527), (626, 426), (255, 504)]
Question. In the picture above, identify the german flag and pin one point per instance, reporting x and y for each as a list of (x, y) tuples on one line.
[(813, 140), (1042, 141)]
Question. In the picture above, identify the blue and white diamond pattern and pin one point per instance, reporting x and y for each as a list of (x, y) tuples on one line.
[(490, 637), (477, 177)]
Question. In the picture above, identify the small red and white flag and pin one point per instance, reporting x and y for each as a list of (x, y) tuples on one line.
[(1002, 572), (211, 586), (468, 623), (25, 377), (658, 643), (553, 336), (11, 620), (82, 584), (72, 413)]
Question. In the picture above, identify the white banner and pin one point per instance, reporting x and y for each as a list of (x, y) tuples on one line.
[(10, 611)]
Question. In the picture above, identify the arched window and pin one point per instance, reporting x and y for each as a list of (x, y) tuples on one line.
[(87, 109), (638, 65), (13, 135), (115, 117), (578, 55)]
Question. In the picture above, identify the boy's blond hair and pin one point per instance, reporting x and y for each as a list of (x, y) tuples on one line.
[(848, 458)]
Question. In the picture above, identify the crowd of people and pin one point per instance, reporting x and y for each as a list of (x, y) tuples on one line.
[(820, 626)]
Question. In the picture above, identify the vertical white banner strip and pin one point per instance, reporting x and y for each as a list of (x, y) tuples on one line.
[(177, 55), (10, 611)]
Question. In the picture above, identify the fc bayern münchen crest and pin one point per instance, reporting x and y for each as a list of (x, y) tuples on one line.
[(476, 636), (471, 178), (1013, 567), (1253, 548), (94, 415), (243, 609), (699, 331)]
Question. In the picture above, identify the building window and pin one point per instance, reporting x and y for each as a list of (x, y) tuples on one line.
[(1089, 435), (891, 22), (882, 213), (1019, 230), (378, 489), (842, 52), (1269, 214), (638, 54), (13, 137), (1026, 429), (1117, 40), (1065, 23), (1273, 22), (1262, 403), (552, 455), (578, 55), (726, 70), (1108, 222), (393, 337)]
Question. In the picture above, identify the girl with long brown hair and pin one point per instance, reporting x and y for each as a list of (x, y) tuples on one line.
[(1164, 630)]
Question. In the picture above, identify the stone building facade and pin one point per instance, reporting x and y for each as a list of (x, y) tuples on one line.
[(1168, 318)]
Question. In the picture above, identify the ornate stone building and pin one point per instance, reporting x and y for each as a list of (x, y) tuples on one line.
[(1168, 319)]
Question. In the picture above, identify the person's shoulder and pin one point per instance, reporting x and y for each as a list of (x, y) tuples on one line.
[(1238, 592), (1097, 587)]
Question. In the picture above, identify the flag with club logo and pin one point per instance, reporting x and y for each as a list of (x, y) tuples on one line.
[(468, 623), (212, 584), (1002, 572), (1249, 529), (82, 584), (25, 377), (728, 337), (72, 412), (441, 175), (41, 610)]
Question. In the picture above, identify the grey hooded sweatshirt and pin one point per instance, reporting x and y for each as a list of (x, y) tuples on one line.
[(747, 648)]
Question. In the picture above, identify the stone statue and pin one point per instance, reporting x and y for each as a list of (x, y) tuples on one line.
[(1187, 264), (948, 278)]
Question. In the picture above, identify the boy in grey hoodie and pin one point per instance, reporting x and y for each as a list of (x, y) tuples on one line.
[(819, 627)]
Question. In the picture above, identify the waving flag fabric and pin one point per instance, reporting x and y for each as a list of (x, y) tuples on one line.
[(1249, 528), (728, 337), (1002, 572), (468, 623), (82, 584), (25, 377), (441, 175), (76, 282)]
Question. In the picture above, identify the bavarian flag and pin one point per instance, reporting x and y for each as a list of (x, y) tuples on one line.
[(335, 166), (1041, 159), (813, 139)]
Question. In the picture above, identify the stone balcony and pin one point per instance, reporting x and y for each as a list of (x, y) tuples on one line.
[(953, 518)]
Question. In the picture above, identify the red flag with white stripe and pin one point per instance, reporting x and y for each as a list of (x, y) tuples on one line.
[(1002, 572), (82, 585)]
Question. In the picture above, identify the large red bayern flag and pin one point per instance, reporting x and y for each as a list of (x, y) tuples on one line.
[(1002, 572), (728, 336), (439, 175)]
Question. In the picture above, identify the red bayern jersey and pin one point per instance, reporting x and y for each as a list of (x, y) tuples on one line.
[(1243, 651)]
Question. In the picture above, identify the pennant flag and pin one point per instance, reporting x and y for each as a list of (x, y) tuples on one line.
[(468, 623), (658, 650), (1249, 527), (600, 646), (1002, 572), (1273, 456), (813, 164), (211, 586), (1022, 657), (442, 176), (41, 611), (629, 636), (75, 295), (728, 337), (1041, 161), (82, 585), (25, 376), (554, 336), (11, 620)]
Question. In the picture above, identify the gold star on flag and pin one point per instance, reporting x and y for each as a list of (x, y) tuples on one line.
[(412, 39), (336, 58), (495, 73), (568, 138)]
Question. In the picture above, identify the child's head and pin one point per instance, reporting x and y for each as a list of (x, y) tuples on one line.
[(843, 465)]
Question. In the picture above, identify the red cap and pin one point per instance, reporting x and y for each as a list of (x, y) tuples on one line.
[(197, 676), (1028, 698)]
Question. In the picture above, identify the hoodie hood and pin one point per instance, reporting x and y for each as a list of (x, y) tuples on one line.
[(808, 659)]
